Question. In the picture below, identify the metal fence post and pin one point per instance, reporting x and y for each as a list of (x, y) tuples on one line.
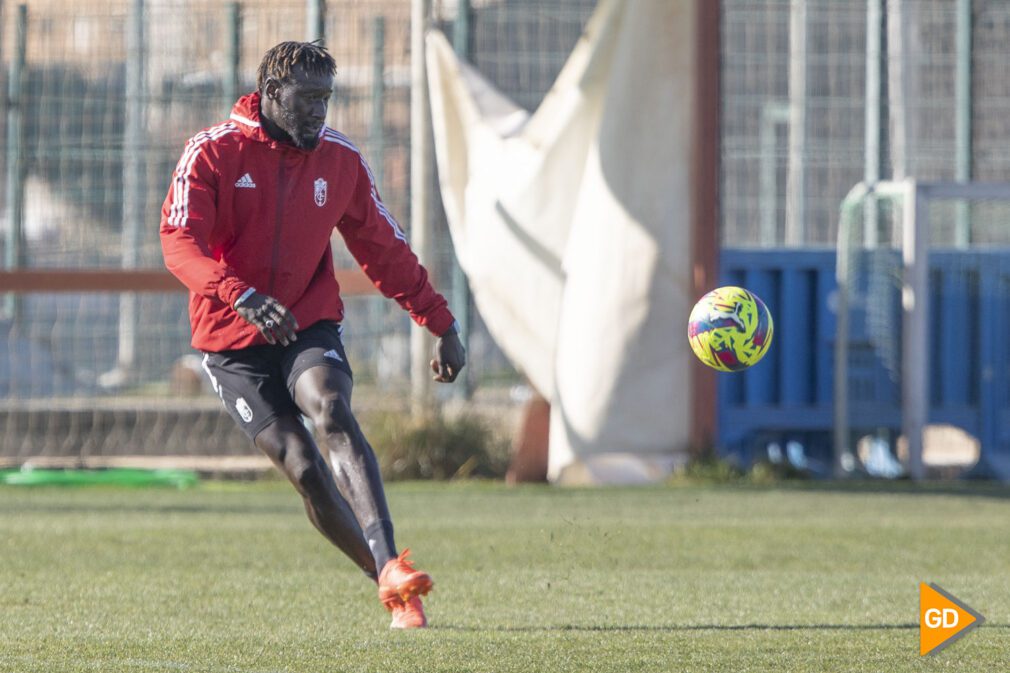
[(962, 120), (871, 138), (898, 76), (14, 248), (773, 113), (795, 231), (377, 130), (915, 325), (840, 408), (420, 176), (460, 288), (232, 82), (133, 190), (461, 29), (377, 133), (315, 19)]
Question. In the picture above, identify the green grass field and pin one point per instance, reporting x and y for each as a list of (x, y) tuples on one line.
[(230, 577)]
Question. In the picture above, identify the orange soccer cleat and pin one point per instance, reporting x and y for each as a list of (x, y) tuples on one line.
[(409, 615), (399, 581)]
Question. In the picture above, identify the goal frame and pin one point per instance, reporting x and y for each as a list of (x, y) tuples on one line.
[(914, 198)]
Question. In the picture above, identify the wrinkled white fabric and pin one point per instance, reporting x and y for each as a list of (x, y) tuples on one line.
[(573, 228)]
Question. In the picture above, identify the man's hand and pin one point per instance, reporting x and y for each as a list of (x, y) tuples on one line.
[(270, 317), (450, 357)]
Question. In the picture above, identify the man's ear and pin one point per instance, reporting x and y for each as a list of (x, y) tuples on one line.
[(272, 89)]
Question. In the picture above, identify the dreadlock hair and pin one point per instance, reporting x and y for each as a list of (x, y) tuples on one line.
[(282, 59)]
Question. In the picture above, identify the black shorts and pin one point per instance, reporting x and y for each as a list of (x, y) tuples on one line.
[(257, 384)]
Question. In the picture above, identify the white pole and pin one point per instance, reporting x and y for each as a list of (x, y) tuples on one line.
[(315, 19), (871, 139), (795, 198), (232, 80), (772, 115), (896, 89), (14, 253), (856, 198), (420, 172), (133, 184), (915, 326), (962, 120)]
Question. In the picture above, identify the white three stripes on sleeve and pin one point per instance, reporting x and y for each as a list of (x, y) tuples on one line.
[(179, 212), (341, 139)]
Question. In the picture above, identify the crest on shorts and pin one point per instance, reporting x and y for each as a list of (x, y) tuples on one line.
[(243, 409), (320, 192)]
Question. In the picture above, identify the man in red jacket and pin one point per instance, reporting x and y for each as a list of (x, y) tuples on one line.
[(246, 226)]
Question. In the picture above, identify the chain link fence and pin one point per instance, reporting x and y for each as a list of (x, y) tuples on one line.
[(98, 110), (920, 139), (76, 171)]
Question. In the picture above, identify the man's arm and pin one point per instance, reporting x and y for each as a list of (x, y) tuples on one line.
[(188, 218), (187, 223), (379, 245)]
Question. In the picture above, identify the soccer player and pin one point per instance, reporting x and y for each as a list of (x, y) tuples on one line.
[(246, 226)]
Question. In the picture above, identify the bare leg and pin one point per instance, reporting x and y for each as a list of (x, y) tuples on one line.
[(290, 446), (324, 395)]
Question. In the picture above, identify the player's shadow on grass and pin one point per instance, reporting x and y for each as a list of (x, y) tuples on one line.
[(685, 627)]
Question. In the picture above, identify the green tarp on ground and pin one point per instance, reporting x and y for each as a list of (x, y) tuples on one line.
[(111, 477)]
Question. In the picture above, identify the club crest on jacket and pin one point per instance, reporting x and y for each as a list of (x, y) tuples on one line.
[(320, 193)]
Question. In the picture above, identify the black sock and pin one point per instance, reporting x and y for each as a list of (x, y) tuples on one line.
[(379, 535)]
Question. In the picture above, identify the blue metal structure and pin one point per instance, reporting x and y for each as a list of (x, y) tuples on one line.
[(789, 394)]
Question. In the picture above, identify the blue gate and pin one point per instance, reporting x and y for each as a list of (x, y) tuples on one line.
[(789, 394)]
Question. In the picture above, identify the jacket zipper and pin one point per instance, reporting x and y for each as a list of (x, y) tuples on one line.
[(278, 222)]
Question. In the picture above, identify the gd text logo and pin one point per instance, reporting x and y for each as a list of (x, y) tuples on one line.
[(942, 619)]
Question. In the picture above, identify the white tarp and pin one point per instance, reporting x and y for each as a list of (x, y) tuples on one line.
[(573, 228)]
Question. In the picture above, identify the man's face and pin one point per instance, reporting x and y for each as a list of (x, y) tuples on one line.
[(300, 106)]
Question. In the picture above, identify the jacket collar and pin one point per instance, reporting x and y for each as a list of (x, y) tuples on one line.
[(246, 115)]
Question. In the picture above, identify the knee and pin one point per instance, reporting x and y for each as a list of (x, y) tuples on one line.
[(299, 460), (306, 470), (334, 416), (309, 476)]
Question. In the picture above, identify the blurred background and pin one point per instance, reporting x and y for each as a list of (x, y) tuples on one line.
[(97, 107), (812, 98)]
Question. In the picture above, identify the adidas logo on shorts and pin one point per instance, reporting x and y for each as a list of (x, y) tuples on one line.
[(333, 355), (246, 181)]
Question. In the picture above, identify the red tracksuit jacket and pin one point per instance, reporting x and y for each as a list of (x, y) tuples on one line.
[(247, 211)]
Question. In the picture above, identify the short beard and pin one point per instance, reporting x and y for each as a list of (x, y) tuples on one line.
[(306, 143), (289, 125)]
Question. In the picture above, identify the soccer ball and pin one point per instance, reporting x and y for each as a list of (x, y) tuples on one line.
[(730, 329)]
